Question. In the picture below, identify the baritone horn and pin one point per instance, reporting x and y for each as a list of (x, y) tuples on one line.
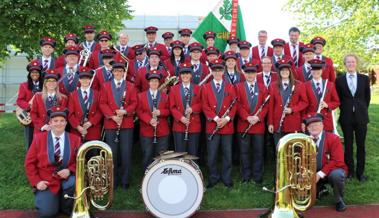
[(94, 176), (295, 176)]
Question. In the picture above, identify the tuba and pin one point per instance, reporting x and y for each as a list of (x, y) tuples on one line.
[(95, 175), (295, 175)]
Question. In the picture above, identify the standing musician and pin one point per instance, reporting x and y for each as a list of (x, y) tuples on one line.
[(278, 47), (303, 73), (185, 37), (261, 50), (331, 167), (118, 102), (185, 107), (70, 39), (123, 46), (47, 59), (267, 76), (292, 48), (69, 72), (287, 102), (84, 112), (209, 38), (26, 92), (50, 166), (155, 63), (232, 75), (321, 94), (152, 111), (176, 57), (96, 59), (45, 100), (252, 108), (89, 35), (328, 71), (200, 70), (354, 93), (233, 44), (167, 39), (136, 64), (151, 36), (244, 58), (217, 98), (103, 74)]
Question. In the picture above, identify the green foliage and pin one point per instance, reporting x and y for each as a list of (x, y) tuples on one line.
[(349, 26), (24, 22), (226, 10)]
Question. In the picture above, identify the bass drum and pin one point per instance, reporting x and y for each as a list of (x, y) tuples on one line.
[(173, 188)]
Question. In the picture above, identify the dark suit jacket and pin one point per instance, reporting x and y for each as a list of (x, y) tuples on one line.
[(360, 101)]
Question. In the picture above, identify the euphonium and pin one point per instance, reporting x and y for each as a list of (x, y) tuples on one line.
[(295, 175), (96, 175)]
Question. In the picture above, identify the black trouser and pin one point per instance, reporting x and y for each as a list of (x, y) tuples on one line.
[(235, 145), (336, 178), (150, 150), (121, 170), (254, 169), (190, 146), (359, 131), (28, 135), (226, 148)]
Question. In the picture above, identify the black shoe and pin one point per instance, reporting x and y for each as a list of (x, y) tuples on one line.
[(228, 185), (258, 182), (211, 185), (340, 206), (362, 179)]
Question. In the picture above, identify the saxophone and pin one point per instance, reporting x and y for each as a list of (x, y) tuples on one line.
[(96, 175), (296, 170)]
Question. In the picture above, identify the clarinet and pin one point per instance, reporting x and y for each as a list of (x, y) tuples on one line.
[(322, 97), (283, 113), (188, 117), (116, 140), (223, 116), (256, 114), (155, 117), (84, 120), (206, 77)]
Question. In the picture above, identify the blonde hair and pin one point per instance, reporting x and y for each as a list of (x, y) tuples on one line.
[(57, 92), (350, 55)]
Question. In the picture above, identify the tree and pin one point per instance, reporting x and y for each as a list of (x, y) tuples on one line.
[(24, 23), (349, 26)]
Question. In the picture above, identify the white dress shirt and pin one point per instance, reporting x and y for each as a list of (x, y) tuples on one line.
[(61, 141)]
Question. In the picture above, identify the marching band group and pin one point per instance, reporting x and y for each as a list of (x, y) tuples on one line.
[(222, 101)]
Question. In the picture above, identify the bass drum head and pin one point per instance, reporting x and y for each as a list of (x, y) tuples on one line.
[(172, 188)]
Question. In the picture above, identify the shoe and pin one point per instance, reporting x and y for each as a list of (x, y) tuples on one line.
[(340, 206), (211, 185), (350, 176), (258, 182), (245, 181), (125, 186), (362, 179), (228, 185)]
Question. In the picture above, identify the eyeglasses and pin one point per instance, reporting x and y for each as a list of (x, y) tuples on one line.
[(103, 40), (266, 62)]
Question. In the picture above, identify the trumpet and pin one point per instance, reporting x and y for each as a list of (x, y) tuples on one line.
[(170, 80), (223, 116), (256, 114), (84, 56)]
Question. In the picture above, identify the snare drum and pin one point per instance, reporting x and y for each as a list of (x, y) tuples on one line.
[(173, 188)]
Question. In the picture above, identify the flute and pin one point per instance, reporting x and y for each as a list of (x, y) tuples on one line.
[(256, 114)]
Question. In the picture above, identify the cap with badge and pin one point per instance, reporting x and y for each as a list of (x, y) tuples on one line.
[(57, 112), (89, 29), (284, 63), (104, 35), (85, 72), (250, 67), (153, 51), (278, 42), (318, 40), (153, 74), (118, 62), (233, 40), (209, 34), (151, 29), (185, 32), (107, 53), (313, 117), (139, 49), (217, 64), (307, 48), (34, 65), (185, 67), (195, 46), (244, 44), (168, 35), (51, 74), (316, 64), (229, 54), (74, 50), (212, 50), (177, 44), (71, 36), (48, 41)]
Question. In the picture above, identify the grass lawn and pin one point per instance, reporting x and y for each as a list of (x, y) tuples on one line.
[(16, 193)]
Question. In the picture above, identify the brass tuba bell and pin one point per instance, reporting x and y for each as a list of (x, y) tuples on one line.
[(95, 175), (295, 175)]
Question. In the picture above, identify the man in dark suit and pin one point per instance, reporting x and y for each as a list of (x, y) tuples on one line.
[(354, 93)]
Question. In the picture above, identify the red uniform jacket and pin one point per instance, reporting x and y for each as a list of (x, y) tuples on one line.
[(178, 105), (331, 98), (108, 105), (328, 71), (95, 116), (200, 74), (274, 77), (38, 112), (24, 96), (99, 78), (255, 52), (209, 106), (141, 83), (38, 165), (63, 81), (239, 77), (299, 74), (144, 115), (332, 154), (60, 61), (133, 69), (287, 52), (162, 48), (241, 62), (95, 60), (244, 109), (174, 70), (128, 52), (298, 103)]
